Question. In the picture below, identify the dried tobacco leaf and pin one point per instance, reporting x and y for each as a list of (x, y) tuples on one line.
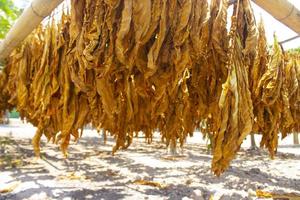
[(127, 67)]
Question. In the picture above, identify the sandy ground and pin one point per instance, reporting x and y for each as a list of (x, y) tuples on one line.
[(91, 172)]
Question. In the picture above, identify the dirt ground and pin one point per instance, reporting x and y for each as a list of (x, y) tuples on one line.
[(91, 172)]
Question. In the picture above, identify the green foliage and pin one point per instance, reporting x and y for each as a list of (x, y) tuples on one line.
[(295, 50), (14, 114), (8, 14)]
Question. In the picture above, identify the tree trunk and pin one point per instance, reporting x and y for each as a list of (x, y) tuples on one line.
[(296, 138), (253, 144)]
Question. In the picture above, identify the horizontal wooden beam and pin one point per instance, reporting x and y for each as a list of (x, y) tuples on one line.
[(282, 10)]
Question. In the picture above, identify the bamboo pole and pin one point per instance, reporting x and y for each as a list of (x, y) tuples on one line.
[(290, 39), (283, 11), (27, 22)]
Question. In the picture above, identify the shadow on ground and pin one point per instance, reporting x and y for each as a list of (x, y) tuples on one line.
[(91, 172)]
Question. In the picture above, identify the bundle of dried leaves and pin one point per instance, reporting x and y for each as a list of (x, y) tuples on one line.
[(129, 66)]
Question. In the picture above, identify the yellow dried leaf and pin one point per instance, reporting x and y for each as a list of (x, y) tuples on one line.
[(9, 188), (149, 183)]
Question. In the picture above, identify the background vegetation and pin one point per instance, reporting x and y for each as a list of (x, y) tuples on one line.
[(8, 14)]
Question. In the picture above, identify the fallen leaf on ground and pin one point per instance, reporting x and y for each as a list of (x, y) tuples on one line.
[(9, 188), (189, 181), (72, 176), (290, 196), (111, 173), (262, 194), (149, 183)]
